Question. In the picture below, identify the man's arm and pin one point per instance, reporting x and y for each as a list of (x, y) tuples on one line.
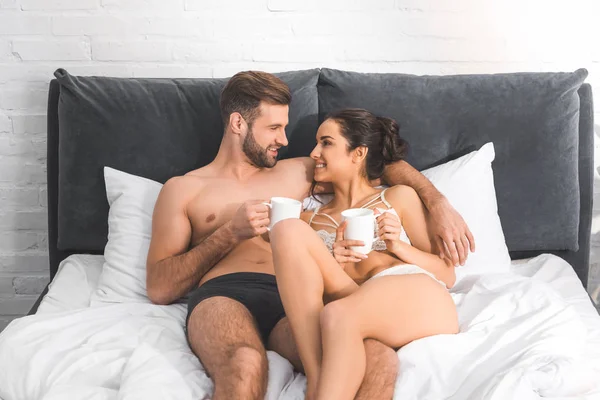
[(451, 232), (171, 270), (402, 173)]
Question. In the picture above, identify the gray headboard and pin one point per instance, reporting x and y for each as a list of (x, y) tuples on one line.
[(541, 124)]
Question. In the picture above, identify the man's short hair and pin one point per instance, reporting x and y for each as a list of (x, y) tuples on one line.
[(245, 90)]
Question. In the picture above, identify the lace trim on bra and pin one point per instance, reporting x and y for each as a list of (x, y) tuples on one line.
[(378, 245)]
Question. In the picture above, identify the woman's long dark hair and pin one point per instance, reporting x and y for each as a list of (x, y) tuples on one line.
[(378, 134)]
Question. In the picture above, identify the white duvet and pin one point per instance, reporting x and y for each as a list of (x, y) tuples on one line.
[(521, 338)]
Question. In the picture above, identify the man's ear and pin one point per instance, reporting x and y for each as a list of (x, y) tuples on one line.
[(237, 123), (360, 153)]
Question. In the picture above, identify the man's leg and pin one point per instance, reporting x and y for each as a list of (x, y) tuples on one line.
[(223, 335), (281, 341), (380, 372), (381, 368)]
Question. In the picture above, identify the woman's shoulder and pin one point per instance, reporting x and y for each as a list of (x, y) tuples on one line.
[(400, 192), (402, 197)]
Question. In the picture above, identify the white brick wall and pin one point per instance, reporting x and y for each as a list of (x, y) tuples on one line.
[(44, 49), (216, 38)]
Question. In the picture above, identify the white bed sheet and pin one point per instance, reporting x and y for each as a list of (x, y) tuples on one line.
[(526, 335)]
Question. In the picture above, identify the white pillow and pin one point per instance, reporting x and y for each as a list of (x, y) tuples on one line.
[(468, 184), (131, 199)]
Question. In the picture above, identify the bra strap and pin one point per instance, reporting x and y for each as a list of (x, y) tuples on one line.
[(387, 203), (325, 224), (330, 218), (312, 217), (372, 202)]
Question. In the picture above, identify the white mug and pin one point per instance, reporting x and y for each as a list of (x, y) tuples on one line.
[(283, 208), (360, 226)]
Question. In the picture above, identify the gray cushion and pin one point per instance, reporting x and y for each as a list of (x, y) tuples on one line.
[(532, 118), (156, 128)]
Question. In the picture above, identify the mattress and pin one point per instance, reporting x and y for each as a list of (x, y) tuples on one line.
[(530, 334)]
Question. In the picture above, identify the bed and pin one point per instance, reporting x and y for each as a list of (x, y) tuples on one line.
[(527, 331)]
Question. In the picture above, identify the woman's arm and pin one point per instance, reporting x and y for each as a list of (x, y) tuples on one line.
[(451, 234), (413, 217)]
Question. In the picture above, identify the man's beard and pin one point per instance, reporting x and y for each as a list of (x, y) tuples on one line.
[(256, 154)]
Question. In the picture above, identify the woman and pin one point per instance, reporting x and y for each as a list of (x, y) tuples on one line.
[(335, 298)]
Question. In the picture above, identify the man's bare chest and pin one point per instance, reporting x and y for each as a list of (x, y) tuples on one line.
[(216, 205)]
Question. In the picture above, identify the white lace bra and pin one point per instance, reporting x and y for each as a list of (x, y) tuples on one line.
[(329, 237)]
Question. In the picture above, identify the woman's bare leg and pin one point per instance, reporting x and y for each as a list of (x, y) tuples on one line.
[(394, 310), (305, 271)]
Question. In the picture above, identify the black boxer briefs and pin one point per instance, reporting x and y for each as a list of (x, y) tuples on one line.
[(256, 291)]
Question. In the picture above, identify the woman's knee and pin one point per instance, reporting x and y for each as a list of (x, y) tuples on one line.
[(289, 235), (337, 316), (288, 228)]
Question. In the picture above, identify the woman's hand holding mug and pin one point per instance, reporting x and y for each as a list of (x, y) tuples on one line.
[(341, 248), (389, 229)]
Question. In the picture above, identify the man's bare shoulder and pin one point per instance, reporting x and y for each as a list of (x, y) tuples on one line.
[(301, 163), (205, 172), (296, 174), (299, 167), (185, 187)]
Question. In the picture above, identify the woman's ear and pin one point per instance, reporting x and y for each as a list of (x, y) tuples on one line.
[(359, 154)]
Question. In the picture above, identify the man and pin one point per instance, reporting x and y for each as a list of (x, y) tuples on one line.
[(209, 236)]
